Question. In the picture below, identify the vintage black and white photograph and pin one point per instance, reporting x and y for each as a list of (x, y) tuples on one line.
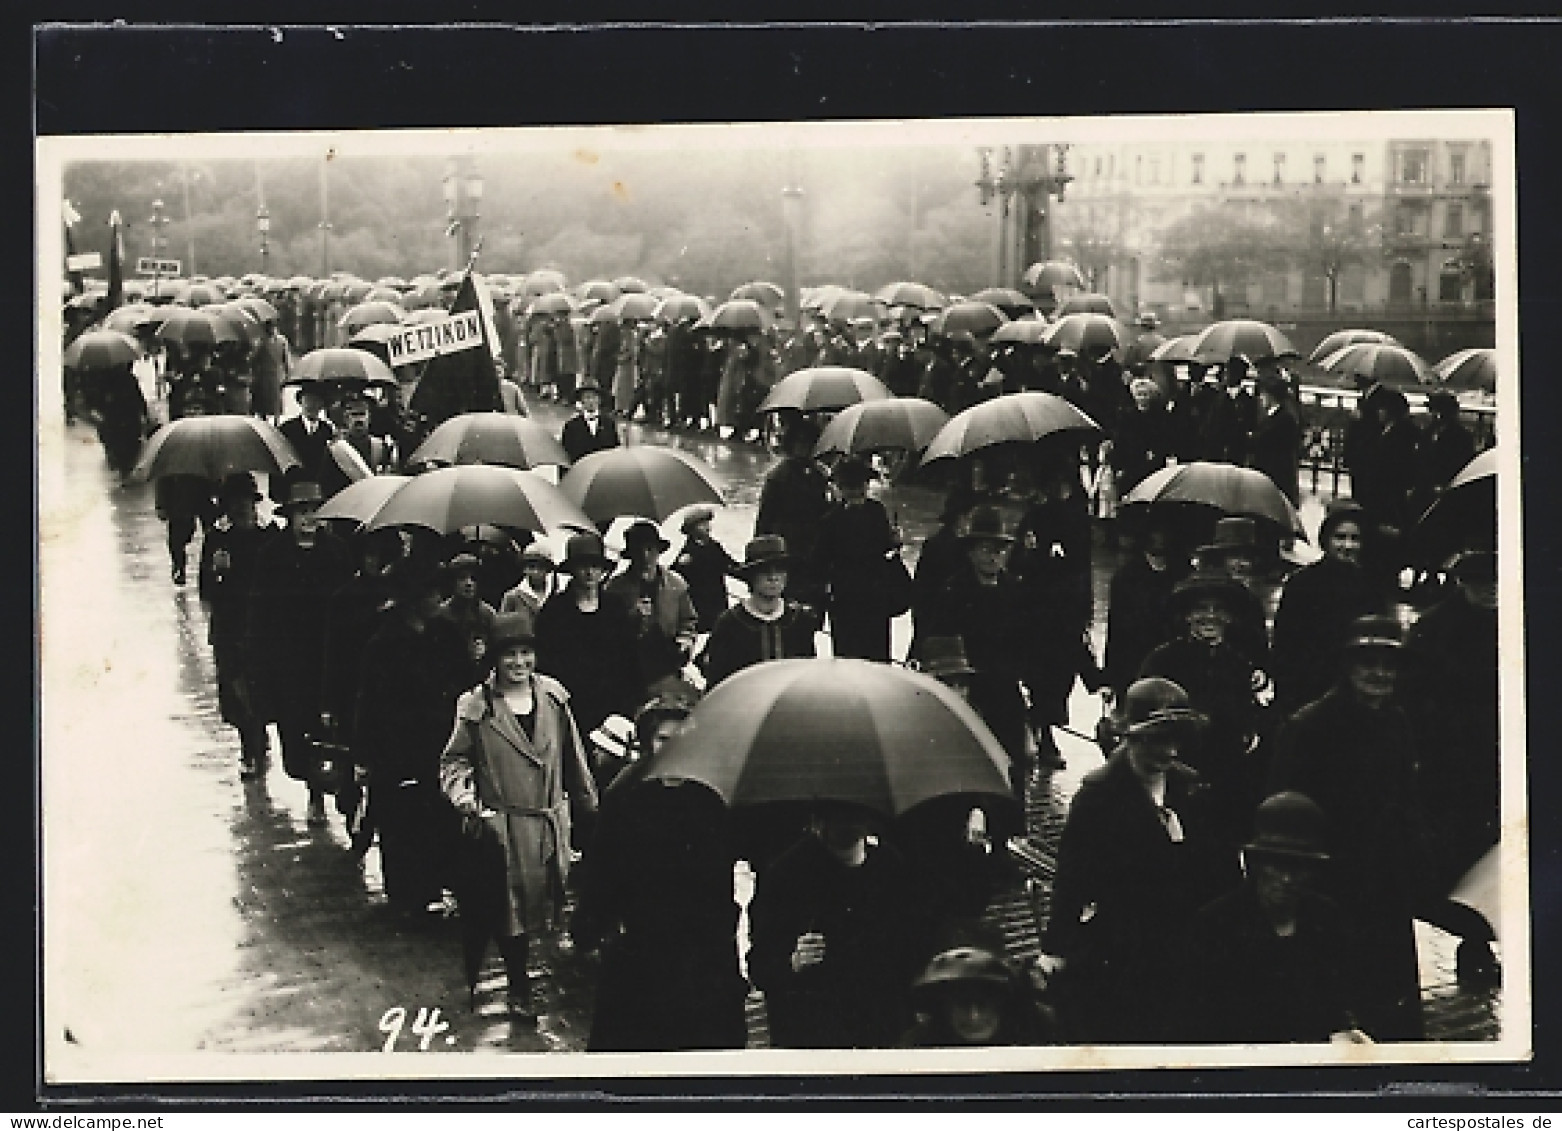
[(958, 595)]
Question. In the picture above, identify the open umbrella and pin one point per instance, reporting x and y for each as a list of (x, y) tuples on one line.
[(849, 731), (744, 315), (1141, 348), (129, 319), (1387, 365), (1342, 338), (347, 460), (634, 304), (101, 349), (1010, 418), (369, 314), (1087, 334), (362, 499), (337, 363), (631, 285), (214, 447), (449, 498), (823, 388), (1025, 331), (199, 294), (491, 437), (765, 293), (381, 293), (1464, 516), (541, 283), (372, 339), (848, 306), (1225, 487), (1256, 341), (1469, 369), (651, 482), (554, 302), (259, 308), (1175, 350), (911, 294), (425, 315), (248, 326), (815, 297), (975, 318), (1087, 304), (391, 282), (196, 327), (355, 290), (1052, 273), (1007, 299), (677, 308), (599, 289), (894, 424)]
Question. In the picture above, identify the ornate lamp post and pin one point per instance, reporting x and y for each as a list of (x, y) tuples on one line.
[(463, 191), (1021, 180), (263, 226), (158, 222)]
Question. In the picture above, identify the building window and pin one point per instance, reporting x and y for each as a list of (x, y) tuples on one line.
[(1453, 221), (1358, 167), (1404, 220), (1320, 168), (1449, 285), (1239, 169), (1412, 166), (1456, 168), (1279, 168), (1198, 168)]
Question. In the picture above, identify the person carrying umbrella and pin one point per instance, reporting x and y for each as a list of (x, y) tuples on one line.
[(591, 429), (272, 363), (764, 625), (834, 937), (295, 580), (853, 558), (230, 557), (182, 501), (310, 433), (1142, 440), (1138, 857), (1274, 446), (511, 768), (792, 504), (705, 564), (1354, 753), (116, 403)]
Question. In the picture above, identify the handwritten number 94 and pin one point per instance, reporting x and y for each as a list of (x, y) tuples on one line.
[(425, 1026)]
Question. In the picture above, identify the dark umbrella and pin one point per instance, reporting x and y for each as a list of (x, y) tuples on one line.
[(849, 306), (651, 482), (129, 319), (765, 293), (262, 310), (1256, 341), (362, 499), (1087, 334), (1464, 517), (1011, 418), (355, 290), (895, 424), (676, 308), (101, 349), (740, 314), (975, 318), (823, 388), (372, 340), (851, 731), (370, 314), (491, 437), (631, 285), (247, 325), (554, 302), (1380, 364), (1175, 350), (634, 304), (1469, 369), (1087, 304), (449, 498), (911, 294), (1225, 487), (341, 364), (196, 327), (213, 447), (1007, 299), (1052, 273), (1024, 331), (1342, 338), (199, 294), (600, 290)]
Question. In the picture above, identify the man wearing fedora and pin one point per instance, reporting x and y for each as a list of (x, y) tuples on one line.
[(764, 625), (296, 578), (1138, 857), (1353, 752), (1272, 961), (591, 429), (310, 433)]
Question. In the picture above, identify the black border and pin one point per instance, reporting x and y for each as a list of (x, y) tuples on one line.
[(101, 80)]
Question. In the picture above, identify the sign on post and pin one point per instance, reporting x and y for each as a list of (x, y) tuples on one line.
[(451, 335), (86, 261), (146, 265)]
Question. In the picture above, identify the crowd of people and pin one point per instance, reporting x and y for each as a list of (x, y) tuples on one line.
[(1277, 805)]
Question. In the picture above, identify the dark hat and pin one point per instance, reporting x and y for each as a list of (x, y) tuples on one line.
[(697, 516), (1442, 402), (239, 485), (1289, 824), (463, 563), (942, 657), (303, 493), (1155, 706), (1234, 534), (964, 964), (512, 629), (984, 524), (1207, 583), (587, 387), (1376, 632), (852, 472), (537, 552), (584, 549), (766, 550), (644, 533), (1342, 510), (1474, 567)]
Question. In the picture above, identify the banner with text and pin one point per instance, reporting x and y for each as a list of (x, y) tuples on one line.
[(146, 265), (458, 332)]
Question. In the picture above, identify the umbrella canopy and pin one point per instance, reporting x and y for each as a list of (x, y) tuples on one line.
[(214, 447), (1087, 304), (815, 297), (382, 293), (599, 289), (259, 308), (678, 308), (895, 424), (765, 293), (1227, 488), (554, 302), (1010, 418), (196, 327), (299, 282), (541, 283), (370, 314), (447, 499), (1464, 517), (1087, 334), (1052, 273), (1388, 365), (1256, 341), (1006, 299), (604, 313), (362, 499), (975, 318), (391, 282), (491, 437), (341, 364), (199, 294), (129, 319), (1469, 369), (1025, 331), (631, 285), (347, 460), (911, 294), (1175, 350), (740, 314), (1342, 338), (1141, 348), (372, 339), (651, 482), (634, 304), (101, 349), (849, 731), (355, 290), (241, 320), (823, 388), (849, 306)]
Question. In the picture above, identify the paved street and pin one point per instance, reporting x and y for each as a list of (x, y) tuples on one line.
[(187, 911)]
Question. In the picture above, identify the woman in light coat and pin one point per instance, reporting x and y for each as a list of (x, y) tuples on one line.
[(511, 763)]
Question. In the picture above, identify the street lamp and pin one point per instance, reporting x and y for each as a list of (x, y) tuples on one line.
[(158, 222), (463, 192), (263, 226)]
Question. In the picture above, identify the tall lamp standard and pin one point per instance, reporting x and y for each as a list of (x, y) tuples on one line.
[(263, 226), (463, 192), (325, 218), (158, 222)]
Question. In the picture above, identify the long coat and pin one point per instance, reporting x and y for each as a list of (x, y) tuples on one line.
[(310, 447), (227, 597), (290, 604), (1274, 449), (580, 441), (1138, 618), (1123, 889), (671, 605), (1312, 623), (854, 544), (740, 640), (706, 567), (490, 762), (792, 503), (594, 655)]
